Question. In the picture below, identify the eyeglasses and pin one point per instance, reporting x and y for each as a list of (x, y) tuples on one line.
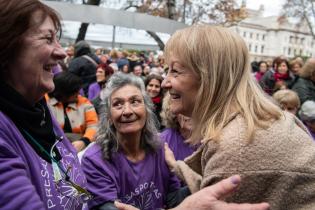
[(64, 185)]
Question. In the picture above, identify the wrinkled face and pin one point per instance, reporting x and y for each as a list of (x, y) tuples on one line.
[(182, 84), (31, 74), (137, 71), (296, 69), (128, 113), (263, 67), (100, 75), (154, 88), (283, 68)]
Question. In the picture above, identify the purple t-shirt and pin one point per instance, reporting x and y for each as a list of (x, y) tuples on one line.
[(144, 184), (26, 180), (177, 144), (94, 90)]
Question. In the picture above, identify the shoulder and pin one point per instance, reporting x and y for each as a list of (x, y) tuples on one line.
[(83, 100), (93, 151)]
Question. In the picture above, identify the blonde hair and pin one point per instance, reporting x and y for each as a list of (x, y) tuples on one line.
[(308, 70), (168, 117), (219, 58), (296, 61), (286, 98)]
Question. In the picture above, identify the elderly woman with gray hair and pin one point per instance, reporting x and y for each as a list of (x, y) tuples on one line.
[(127, 162)]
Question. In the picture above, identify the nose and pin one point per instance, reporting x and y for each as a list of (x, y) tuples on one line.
[(127, 110), (59, 53), (166, 84)]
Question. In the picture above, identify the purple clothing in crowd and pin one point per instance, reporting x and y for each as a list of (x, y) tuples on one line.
[(26, 179), (94, 90), (144, 184), (177, 144)]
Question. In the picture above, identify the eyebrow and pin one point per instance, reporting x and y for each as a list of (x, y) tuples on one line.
[(131, 97), (50, 31)]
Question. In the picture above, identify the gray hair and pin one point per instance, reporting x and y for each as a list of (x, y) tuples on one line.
[(106, 136)]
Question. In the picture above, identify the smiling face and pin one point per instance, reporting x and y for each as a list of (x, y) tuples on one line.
[(296, 68), (183, 86), (154, 88), (100, 75), (283, 68), (127, 110), (31, 73), (263, 67)]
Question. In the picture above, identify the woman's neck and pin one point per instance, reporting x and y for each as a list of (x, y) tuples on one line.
[(131, 147)]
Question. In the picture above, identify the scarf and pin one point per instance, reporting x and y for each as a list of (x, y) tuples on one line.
[(36, 120), (279, 76), (156, 100)]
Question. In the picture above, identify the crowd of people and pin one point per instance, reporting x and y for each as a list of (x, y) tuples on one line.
[(194, 127)]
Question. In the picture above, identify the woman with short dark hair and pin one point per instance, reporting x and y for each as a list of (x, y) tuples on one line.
[(39, 167)]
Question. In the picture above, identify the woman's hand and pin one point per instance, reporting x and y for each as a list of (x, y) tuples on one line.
[(209, 198), (78, 145), (169, 157), (123, 206)]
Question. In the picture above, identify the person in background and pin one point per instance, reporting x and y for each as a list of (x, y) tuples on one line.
[(239, 129), (137, 70), (305, 85), (39, 167), (74, 113), (262, 69), (125, 69), (282, 78), (288, 100), (307, 115), (153, 87), (70, 54), (122, 59), (103, 72), (127, 162), (296, 66), (177, 131), (84, 64)]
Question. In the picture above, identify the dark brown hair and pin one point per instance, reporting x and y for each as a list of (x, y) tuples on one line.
[(16, 18)]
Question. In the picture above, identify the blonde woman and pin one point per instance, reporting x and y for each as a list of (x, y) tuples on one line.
[(242, 131)]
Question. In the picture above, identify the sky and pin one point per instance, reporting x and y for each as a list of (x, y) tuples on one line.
[(272, 7)]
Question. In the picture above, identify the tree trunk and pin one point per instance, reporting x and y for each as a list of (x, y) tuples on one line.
[(157, 39), (84, 26)]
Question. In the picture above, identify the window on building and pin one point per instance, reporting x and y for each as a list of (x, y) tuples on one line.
[(244, 34), (290, 39), (262, 48), (289, 51), (302, 40), (284, 50), (256, 48), (294, 52), (301, 51), (257, 36), (251, 35), (263, 37), (250, 47)]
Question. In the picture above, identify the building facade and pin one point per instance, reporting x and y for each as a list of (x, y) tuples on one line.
[(269, 37)]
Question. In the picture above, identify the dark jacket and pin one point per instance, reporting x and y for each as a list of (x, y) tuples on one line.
[(82, 67), (268, 82), (305, 89)]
